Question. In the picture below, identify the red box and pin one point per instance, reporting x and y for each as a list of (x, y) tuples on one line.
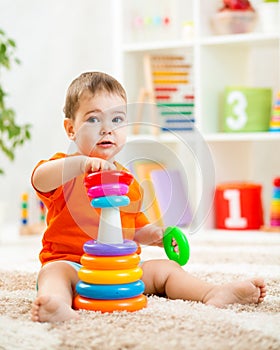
[(238, 206)]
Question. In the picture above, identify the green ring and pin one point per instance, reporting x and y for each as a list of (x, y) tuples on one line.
[(183, 255)]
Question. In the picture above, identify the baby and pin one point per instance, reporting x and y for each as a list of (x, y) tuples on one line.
[(95, 119)]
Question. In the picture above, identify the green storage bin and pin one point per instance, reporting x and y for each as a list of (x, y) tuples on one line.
[(246, 109)]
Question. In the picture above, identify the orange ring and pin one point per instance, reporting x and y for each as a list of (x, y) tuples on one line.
[(110, 276), (110, 262), (131, 304)]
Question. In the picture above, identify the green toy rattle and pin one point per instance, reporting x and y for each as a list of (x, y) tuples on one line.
[(174, 233)]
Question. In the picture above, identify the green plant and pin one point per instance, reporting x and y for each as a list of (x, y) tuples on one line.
[(12, 134), (270, 0)]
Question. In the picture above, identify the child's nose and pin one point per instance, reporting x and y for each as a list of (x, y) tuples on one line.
[(105, 129)]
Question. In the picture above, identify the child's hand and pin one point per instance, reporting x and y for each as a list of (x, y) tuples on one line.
[(175, 245), (93, 164), (156, 235), (150, 235)]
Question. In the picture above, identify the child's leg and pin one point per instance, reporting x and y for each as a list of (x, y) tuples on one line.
[(165, 277), (56, 288)]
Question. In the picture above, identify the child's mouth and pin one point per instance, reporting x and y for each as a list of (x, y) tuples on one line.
[(105, 144)]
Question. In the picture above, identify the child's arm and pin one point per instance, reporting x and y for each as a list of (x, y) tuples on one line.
[(149, 235), (50, 175)]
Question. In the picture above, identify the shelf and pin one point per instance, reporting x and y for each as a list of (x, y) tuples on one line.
[(218, 61), (164, 138), (215, 137), (251, 38), (246, 136), (157, 45)]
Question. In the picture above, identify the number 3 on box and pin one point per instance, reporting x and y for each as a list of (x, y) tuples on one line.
[(240, 104)]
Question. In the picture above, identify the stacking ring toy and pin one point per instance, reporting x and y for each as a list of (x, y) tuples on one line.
[(110, 276), (182, 256), (110, 202), (91, 247), (108, 177), (110, 291), (110, 262), (131, 304), (117, 189)]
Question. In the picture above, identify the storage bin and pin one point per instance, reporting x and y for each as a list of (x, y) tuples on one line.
[(238, 206), (246, 109)]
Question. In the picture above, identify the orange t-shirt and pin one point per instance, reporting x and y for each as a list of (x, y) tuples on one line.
[(71, 220)]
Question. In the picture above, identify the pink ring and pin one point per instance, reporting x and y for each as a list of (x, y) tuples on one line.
[(116, 189)]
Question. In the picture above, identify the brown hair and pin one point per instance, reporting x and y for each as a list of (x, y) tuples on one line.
[(93, 82)]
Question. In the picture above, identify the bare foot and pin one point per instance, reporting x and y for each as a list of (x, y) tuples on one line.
[(51, 309), (246, 292)]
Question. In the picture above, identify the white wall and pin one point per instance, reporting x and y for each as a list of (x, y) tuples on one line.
[(56, 40)]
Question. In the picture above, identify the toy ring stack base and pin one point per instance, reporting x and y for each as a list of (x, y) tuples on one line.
[(110, 278), (130, 304)]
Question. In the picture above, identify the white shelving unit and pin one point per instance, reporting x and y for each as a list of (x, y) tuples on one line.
[(251, 59)]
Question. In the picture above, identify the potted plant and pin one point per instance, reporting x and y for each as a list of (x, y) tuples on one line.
[(12, 135)]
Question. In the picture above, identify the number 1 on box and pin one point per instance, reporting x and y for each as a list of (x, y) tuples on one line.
[(234, 206)]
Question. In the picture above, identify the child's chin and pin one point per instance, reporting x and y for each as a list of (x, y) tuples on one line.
[(103, 155)]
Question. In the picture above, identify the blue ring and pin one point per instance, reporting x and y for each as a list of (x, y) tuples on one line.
[(276, 193), (92, 247), (110, 201), (110, 291)]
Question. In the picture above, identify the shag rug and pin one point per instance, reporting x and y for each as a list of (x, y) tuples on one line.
[(164, 324)]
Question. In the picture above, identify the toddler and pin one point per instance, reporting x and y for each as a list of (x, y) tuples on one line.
[(95, 119)]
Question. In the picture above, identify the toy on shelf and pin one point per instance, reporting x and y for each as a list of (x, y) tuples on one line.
[(140, 22), (110, 276), (169, 88), (236, 16), (246, 109), (150, 25), (275, 118), (24, 209), (275, 204), (238, 206), (274, 225), (33, 215)]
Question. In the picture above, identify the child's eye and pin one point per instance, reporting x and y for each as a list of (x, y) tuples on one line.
[(118, 120), (93, 120)]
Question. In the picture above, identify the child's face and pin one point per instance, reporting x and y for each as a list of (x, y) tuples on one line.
[(99, 128)]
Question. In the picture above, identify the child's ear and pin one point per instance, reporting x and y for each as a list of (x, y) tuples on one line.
[(69, 128)]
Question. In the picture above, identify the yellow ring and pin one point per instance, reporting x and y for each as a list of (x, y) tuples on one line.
[(131, 304), (110, 262), (110, 276)]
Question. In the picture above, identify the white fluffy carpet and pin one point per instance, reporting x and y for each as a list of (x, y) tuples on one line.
[(164, 324)]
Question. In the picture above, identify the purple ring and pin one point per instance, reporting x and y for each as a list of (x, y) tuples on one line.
[(92, 247), (115, 189)]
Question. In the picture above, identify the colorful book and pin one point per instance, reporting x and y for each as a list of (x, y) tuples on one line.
[(172, 197), (142, 171)]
